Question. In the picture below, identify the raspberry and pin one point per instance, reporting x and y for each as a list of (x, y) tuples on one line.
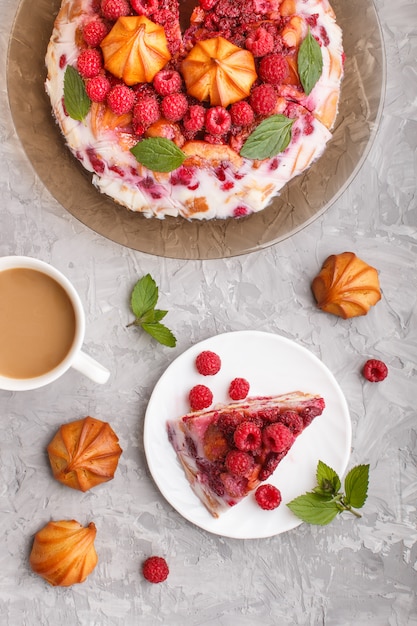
[(113, 9), (240, 211), (268, 497), (260, 42), (164, 17), (247, 436), (121, 99), (208, 363), (238, 388), (277, 437), (94, 32), (273, 69), (228, 8), (208, 4), (218, 120), (200, 397), (194, 118), (270, 464), (239, 463), (167, 82), (375, 371), (214, 139), (89, 63), (241, 113), (174, 107), (236, 486), (155, 569), (292, 420), (144, 7), (97, 88), (228, 423), (263, 99), (145, 112)]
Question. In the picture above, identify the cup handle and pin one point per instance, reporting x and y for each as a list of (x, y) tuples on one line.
[(88, 366)]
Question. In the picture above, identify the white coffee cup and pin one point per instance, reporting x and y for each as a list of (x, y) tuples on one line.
[(75, 357)]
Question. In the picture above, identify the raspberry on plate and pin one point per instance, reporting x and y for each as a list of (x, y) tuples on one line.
[(239, 388), (200, 397), (208, 363), (268, 497), (375, 370), (155, 569)]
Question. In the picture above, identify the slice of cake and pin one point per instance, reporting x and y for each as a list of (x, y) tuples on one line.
[(208, 123), (228, 451)]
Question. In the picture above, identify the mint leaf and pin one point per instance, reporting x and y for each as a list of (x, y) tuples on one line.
[(271, 137), (77, 103), (161, 333), (151, 317), (144, 296), (158, 154), (310, 62), (356, 486), (325, 501), (327, 479), (159, 315), (143, 301), (313, 509)]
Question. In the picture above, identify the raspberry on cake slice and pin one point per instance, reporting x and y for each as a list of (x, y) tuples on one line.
[(227, 452)]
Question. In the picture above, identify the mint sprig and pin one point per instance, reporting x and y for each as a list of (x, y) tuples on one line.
[(77, 103), (143, 301), (310, 62), (268, 139), (158, 154), (322, 504)]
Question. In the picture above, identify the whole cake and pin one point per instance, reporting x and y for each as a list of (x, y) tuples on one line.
[(206, 123)]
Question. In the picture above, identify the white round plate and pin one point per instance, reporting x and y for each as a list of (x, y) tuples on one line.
[(273, 365)]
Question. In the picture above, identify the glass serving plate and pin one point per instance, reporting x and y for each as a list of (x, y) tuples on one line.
[(304, 199)]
